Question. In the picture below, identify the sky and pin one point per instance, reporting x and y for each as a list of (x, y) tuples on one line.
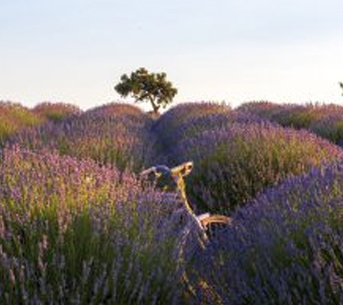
[(74, 51)]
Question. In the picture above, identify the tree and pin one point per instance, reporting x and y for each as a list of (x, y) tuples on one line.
[(341, 84), (145, 86)]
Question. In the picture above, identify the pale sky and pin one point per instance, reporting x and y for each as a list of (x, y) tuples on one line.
[(75, 51)]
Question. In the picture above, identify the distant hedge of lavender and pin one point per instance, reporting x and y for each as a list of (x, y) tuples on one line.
[(285, 247), (237, 155), (175, 116), (72, 232), (170, 126), (324, 120), (56, 111), (111, 134), (15, 117)]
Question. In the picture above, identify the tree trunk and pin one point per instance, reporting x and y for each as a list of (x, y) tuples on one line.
[(154, 106)]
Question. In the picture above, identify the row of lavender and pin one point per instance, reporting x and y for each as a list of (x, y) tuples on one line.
[(236, 154), (324, 120), (72, 232), (285, 244), (116, 134), (80, 230)]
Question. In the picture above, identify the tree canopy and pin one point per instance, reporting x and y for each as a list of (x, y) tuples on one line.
[(145, 86)]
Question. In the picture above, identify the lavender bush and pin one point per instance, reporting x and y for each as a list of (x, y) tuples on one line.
[(289, 115), (72, 232), (177, 115), (168, 126), (15, 117), (196, 124), (285, 247), (324, 120), (56, 111), (329, 127), (234, 164)]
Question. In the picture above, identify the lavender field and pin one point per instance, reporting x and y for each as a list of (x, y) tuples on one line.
[(78, 225)]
